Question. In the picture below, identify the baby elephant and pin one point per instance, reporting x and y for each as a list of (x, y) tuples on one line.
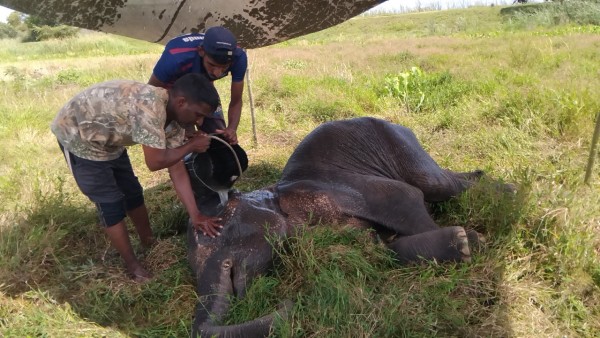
[(362, 172)]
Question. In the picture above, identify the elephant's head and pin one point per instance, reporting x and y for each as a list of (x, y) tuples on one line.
[(225, 265)]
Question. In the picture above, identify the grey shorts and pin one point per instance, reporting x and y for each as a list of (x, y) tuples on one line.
[(111, 185)]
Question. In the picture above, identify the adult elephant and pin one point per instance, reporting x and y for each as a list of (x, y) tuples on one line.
[(362, 172)]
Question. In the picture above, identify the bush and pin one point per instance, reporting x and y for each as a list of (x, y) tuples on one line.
[(420, 91), (552, 14), (41, 33), (582, 12), (7, 31)]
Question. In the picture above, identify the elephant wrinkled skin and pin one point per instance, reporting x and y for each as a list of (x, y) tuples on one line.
[(361, 172)]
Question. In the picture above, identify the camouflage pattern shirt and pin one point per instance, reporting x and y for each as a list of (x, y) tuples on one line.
[(99, 122)]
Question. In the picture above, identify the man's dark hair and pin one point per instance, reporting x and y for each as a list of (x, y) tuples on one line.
[(197, 88)]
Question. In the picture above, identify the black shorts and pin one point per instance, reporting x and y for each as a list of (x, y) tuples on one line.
[(111, 185)]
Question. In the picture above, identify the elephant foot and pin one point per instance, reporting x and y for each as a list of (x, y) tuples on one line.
[(508, 188), (461, 245), (472, 175), (500, 187), (476, 240), (449, 244)]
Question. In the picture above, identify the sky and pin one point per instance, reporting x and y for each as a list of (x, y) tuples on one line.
[(398, 5), (4, 12), (388, 6)]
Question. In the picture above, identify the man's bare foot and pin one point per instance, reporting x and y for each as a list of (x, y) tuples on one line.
[(138, 274)]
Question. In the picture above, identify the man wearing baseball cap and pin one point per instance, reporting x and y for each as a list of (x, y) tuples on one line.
[(215, 54)]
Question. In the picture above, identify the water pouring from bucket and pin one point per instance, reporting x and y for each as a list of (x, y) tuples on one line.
[(214, 172)]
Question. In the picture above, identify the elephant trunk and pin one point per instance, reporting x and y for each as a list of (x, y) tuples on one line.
[(213, 307), (259, 327)]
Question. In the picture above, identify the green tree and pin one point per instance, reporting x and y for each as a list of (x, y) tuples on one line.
[(36, 21), (15, 19), (40, 29), (7, 31)]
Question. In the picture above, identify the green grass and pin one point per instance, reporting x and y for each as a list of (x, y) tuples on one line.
[(517, 100), (85, 45)]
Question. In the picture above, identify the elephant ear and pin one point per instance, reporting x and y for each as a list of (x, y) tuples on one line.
[(218, 168)]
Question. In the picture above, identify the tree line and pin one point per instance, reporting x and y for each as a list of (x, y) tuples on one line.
[(29, 28)]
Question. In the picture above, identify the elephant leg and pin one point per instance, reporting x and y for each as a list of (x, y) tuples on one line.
[(416, 167), (395, 205), (470, 176), (445, 244), (392, 204), (445, 184)]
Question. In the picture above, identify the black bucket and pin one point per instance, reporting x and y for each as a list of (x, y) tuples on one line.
[(215, 170)]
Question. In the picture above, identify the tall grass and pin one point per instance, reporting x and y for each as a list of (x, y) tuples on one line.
[(518, 102), (578, 12)]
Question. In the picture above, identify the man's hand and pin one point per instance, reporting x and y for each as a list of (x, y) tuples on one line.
[(208, 225), (200, 142), (229, 134)]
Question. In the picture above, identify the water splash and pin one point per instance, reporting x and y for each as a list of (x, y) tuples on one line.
[(223, 196)]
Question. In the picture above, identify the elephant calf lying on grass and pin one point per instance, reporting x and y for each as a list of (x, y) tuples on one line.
[(361, 172)]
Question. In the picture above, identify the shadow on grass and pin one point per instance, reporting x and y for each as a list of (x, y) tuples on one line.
[(480, 302), (259, 175), (58, 249), (334, 277)]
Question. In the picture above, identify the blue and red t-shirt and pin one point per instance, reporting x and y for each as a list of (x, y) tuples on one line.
[(181, 57)]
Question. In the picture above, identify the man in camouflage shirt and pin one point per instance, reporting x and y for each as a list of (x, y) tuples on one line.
[(94, 128)]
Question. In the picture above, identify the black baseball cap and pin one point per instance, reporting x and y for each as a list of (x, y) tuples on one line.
[(219, 43)]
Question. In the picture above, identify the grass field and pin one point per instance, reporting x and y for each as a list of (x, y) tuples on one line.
[(516, 97)]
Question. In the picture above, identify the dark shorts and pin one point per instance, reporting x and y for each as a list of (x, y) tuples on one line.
[(111, 185)]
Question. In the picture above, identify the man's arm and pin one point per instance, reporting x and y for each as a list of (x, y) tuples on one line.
[(181, 181), (234, 112), (154, 81), (157, 159)]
